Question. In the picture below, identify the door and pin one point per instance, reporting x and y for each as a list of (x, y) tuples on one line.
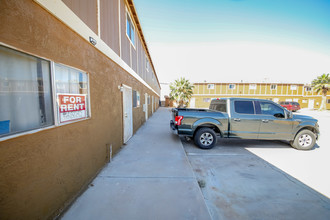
[(311, 103), (273, 124), (146, 106), (192, 103), (244, 123), (127, 113)]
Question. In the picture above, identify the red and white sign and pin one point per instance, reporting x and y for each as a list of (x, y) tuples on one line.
[(71, 107)]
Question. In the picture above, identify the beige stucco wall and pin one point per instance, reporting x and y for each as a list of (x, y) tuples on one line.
[(41, 172)]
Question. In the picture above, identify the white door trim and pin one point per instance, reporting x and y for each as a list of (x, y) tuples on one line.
[(127, 113), (146, 105)]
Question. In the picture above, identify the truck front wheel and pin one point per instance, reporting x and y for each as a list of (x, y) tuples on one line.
[(304, 140), (205, 138)]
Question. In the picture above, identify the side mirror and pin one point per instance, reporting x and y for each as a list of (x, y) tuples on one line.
[(289, 114)]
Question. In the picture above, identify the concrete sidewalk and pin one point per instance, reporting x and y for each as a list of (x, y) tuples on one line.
[(150, 178)]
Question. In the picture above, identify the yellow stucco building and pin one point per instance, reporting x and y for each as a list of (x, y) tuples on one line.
[(277, 92)]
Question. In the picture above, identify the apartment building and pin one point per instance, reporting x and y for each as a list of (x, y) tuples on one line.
[(76, 81), (277, 92)]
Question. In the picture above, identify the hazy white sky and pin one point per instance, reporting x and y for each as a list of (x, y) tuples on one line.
[(234, 40), (237, 61)]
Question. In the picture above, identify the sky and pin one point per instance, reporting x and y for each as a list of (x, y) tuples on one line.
[(237, 40)]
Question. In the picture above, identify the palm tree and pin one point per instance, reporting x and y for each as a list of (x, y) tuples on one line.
[(181, 91), (322, 84)]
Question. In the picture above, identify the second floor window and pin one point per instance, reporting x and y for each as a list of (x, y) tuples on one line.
[(130, 29), (231, 86), (293, 87), (253, 86), (147, 64), (210, 86)]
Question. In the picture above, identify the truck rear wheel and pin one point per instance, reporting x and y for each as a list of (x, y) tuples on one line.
[(205, 138), (304, 140)]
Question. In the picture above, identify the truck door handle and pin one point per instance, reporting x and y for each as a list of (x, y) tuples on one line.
[(237, 119)]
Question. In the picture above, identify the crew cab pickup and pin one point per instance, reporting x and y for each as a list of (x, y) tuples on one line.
[(246, 119)]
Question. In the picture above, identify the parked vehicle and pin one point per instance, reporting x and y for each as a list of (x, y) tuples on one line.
[(291, 106), (246, 119)]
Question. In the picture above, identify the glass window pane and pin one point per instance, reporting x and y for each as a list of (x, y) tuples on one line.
[(71, 93), (134, 99), (25, 92), (271, 109), (244, 107)]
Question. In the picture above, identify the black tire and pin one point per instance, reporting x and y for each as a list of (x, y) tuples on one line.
[(205, 138), (304, 140)]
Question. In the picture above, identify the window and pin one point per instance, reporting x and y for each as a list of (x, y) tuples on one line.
[(271, 109), (210, 86), (308, 89), (206, 99), (273, 87), (147, 64), (220, 106), (71, 87), (148, 99), (293, 87), (130, 29), (231, 86), (27, 98), (328, 101), (136, 99), (244, 107), (253, 86), (25, 92)]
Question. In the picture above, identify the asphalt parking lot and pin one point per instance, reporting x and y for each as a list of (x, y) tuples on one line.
[(253, 179)]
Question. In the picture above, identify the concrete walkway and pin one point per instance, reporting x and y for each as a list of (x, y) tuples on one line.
[(150, 178)]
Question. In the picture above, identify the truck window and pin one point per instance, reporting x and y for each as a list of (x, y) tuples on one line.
[(244, 107), (271, 109), (220, 106)]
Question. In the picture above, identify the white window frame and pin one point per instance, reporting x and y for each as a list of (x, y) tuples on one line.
[(130, 18), (210, 86), (55, 103), (293, 87), (233, 85), (138, 99), (252, 86), (273, 85), (308, 89), (147, 64), (54, 97)]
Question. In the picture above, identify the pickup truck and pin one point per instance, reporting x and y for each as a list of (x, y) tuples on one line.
[(244, 118)]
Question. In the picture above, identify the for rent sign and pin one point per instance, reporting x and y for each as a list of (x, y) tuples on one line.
[(71, 107)]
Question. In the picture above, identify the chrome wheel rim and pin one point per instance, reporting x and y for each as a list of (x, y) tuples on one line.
[(206, 139), (305, 140)]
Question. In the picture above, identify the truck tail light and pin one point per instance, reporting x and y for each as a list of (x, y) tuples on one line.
[(178, 120)]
